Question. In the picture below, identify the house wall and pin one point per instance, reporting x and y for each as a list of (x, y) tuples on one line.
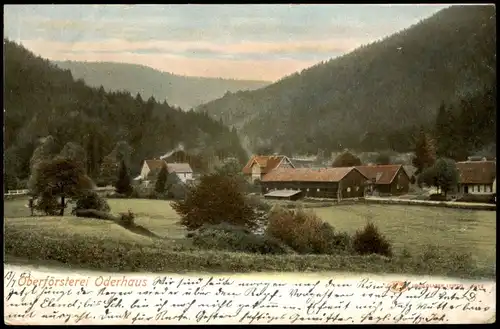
[(351, 186), (256, 172), (145, 170), (309, 189), (184, 176), (399, 186), (476, 189)]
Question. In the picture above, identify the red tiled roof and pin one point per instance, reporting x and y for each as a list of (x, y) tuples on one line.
[(155, 164), (477, 172), (307, 174), (383, 174), (266, 163)]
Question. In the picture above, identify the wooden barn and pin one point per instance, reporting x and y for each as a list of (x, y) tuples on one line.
[(386, 179), (336, 183)]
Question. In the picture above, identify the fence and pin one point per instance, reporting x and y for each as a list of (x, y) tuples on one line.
[(16, 192)]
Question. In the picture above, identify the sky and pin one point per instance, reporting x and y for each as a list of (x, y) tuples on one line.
[(252, 42)]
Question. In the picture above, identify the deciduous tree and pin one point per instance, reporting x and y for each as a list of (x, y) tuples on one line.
[(60, 177), (216, 199), (346, 159)]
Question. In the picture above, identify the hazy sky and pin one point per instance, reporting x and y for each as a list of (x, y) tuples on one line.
[(259, 42)]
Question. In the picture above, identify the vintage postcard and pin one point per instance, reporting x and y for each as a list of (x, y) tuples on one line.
[(249, 164)]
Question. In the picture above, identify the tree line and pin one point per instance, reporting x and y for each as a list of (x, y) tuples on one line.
[(359, 101), (43, 100)]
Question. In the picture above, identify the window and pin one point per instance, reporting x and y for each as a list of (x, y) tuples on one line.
[(487, 188), (317, 189), (348, 189), (357, 188), (307, 190)]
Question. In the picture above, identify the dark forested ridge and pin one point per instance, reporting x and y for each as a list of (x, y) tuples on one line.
[(182, 91), (41, 99), (377, 96)]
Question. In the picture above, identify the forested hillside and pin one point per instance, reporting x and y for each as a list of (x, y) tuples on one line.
[(377, 96), (41, 99), (182, 91)]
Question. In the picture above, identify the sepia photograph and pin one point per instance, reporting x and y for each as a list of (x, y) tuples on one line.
[(249, 164)]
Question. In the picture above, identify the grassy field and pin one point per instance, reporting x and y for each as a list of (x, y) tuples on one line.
[(415, 226), (98, 243)]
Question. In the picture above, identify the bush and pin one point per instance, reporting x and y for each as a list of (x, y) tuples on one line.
[(488, 198), (305, 232), (371, 241), (438, 197), (91, 200), (47, 204), (127, 219), (214, 200), (235, 238)]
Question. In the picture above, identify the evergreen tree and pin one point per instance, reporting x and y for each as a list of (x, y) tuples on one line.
[(161, 180), (443, 133), (109, 171), (425, 152), (123, 185)]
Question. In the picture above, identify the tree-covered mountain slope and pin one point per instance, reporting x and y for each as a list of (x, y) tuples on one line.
[(376, 96), (41, 99), (179, 91)]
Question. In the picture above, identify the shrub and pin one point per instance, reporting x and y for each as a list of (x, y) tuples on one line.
[(127, 219), (214, 200), (371, 241), (235, 238), (305, 232), (48, 204), (91, 200), (437, 197), (489, 198)]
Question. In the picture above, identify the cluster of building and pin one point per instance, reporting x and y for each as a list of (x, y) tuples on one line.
[(180, 172), (281, 177)]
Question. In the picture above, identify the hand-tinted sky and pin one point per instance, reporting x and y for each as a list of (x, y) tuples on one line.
[(259, 42)]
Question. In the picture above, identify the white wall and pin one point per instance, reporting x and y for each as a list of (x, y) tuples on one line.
[(256, 172), (185, 176), (145, 170), (478, 189)]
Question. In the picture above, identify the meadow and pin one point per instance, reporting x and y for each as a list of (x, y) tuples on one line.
[(105, 245)]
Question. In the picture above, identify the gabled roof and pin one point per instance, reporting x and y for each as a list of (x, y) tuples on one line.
[(155, 164), (477, 172), (307, 174), (265, 162), (382, 174), (179, 168), (410, 170)]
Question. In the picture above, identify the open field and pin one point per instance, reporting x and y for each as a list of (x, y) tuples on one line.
[(96, 244)]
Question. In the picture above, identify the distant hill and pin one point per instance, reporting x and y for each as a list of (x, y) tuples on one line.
[(41, 99), (375, 97), (179, 91)]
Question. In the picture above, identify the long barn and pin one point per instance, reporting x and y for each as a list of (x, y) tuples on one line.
[(335, 183)]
